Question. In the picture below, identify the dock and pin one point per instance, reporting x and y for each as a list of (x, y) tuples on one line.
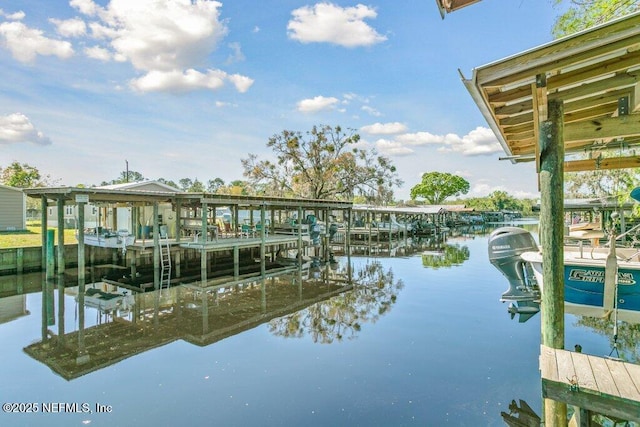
[(602, 385)]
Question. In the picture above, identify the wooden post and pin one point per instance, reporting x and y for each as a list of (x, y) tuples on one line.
[(203, 240), (82, 356), (178, 224), (61, 262), (81, 261), (43, 230), (262, 241), (300, 237), (50, 258), (551, 238), (156, 248)]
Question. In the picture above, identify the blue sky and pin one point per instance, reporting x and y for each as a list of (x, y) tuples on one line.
[(187, 88)]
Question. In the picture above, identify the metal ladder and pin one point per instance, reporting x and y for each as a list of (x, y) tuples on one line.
[(165, 262)]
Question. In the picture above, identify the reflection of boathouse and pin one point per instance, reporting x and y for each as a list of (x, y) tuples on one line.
[(201, 316)]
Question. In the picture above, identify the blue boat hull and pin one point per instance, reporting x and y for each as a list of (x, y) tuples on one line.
[(584, 285)]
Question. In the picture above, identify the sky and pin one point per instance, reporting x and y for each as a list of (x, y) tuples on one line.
[(188, 88)]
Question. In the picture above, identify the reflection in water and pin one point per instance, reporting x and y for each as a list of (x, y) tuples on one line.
[(445, 256), (112, 323), (520, 416), (374, 291)]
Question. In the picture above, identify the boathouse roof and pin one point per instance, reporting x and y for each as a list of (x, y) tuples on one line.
[(139, 195), (594, 73)]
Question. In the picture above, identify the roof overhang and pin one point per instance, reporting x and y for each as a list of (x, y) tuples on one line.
[(448, 6), (594, 73)]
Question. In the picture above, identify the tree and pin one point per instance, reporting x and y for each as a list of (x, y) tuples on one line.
[(213, 185), (437, 186), (583, 14), (22, 176), (125, 176), (168, 182), (323, 163)]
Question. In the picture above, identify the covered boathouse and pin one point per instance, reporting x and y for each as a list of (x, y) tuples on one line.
[(166, 235)]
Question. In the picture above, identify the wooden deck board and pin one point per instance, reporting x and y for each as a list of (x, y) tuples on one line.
[(634, 373), (604, 379), (566, 370), (624, 383), (583, 370), (548, 364)]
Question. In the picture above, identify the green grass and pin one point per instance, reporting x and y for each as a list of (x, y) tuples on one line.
[(31, 237)]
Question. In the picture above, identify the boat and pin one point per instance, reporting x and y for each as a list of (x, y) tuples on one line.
[(106, 238), (603, 277), (102, 300)]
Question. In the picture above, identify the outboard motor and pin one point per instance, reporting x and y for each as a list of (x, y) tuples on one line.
[(506, 244)]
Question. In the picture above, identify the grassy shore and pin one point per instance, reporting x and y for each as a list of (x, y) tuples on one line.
[(31, 237)]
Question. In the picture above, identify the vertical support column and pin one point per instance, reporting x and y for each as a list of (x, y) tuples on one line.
[(50, 258), (347, 238), (204, 223), (551, 238), (300, 254), (203, 237), (43, 230), (156, 248), (61, 262), (263, 239), (81, 260), (178, 223), (82, 357)]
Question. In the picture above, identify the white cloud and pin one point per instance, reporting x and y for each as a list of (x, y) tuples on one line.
[(70, 27), (25, 43), (319, 103), (86, 7), (420, 138), (384, 128), (99, 53), (236, 55), (17, 127), (372, 111), (17, 16), (479, 142), (329, 23), (166, 40), (177, 81), (392, 148), (242, 83)]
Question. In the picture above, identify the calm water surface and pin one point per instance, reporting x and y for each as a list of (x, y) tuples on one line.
[(415, 341)]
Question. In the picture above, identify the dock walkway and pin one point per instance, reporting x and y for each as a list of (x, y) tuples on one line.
[(603, 385)]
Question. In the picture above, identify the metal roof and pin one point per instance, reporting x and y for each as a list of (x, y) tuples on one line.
[(593, 72)]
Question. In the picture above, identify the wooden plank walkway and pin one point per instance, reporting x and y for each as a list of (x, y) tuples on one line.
[(602, 385)]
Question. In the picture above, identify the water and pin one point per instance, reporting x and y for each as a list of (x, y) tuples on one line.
[(410, 345)]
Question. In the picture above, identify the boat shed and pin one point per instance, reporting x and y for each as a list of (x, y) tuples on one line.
[(573, 96), (188, 225), (12, 209)]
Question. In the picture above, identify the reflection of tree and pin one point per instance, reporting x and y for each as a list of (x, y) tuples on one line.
[(374, 292), (446, 256), (628, 335)]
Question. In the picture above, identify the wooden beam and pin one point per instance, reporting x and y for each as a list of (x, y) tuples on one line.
[(608, 163), (613, 127)]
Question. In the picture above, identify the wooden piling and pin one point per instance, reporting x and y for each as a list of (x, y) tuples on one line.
[(552, 239)]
